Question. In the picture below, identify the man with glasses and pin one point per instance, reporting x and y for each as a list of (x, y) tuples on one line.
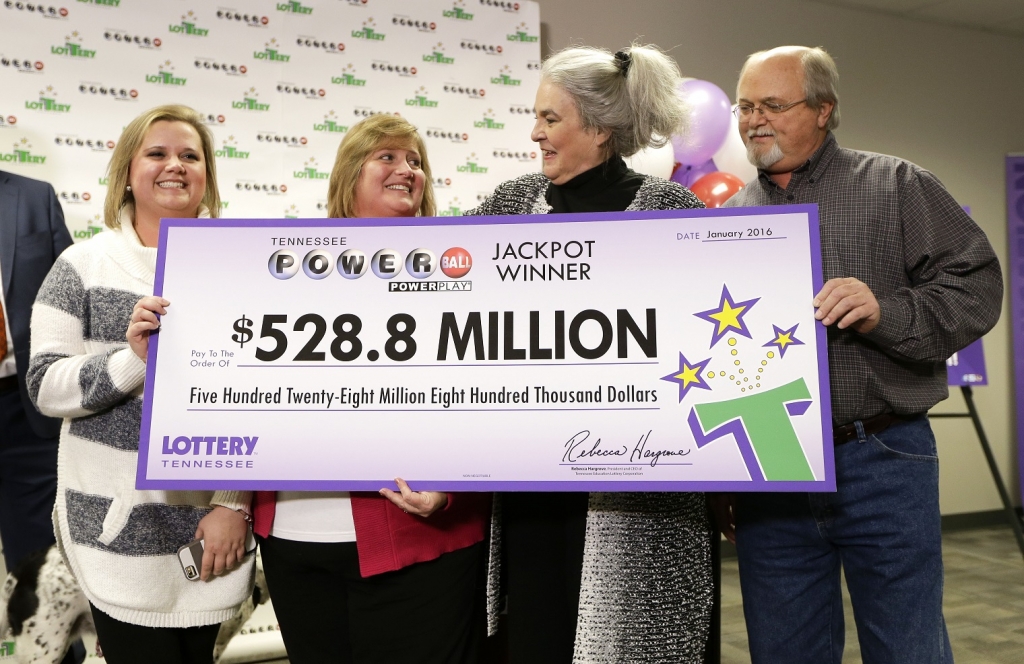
[(910, 279)]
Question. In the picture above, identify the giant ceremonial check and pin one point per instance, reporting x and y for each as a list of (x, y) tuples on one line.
[(623, 351)]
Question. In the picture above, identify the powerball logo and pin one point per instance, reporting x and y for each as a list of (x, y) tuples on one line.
[(386, 264)]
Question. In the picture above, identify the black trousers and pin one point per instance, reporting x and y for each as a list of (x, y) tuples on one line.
[(28, 483), (124, 643), (543, 536), (28, 486), (426, 613)]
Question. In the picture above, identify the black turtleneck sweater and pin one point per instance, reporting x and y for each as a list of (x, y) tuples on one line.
[(608, 187)]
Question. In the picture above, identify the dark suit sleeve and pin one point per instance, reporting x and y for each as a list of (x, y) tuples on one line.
[(58, 230)]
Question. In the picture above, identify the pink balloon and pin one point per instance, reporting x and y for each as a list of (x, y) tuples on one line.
[(686, 175), (710, 113)]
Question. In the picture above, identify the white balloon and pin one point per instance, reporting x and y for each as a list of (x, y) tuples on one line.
[(732, 156), (654, 161)]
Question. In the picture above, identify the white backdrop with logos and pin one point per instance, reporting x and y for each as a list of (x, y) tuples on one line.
[(279, 84)]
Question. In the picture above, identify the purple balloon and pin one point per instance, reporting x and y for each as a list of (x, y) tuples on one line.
[(709, 122), (686, 175)]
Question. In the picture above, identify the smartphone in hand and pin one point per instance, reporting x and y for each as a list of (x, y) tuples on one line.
[(191, 558), (191, 555)]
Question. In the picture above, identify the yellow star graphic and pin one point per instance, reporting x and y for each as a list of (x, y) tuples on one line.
[(728, 317), (687, 375), (784, 339)]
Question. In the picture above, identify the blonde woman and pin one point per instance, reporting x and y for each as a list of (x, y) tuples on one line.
[(90, 334), (388, 577)]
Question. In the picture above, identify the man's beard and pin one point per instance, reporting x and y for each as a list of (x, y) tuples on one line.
[(763, 160)]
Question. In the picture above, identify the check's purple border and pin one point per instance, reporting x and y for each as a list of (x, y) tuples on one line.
[(828, 484), (1015, 245)]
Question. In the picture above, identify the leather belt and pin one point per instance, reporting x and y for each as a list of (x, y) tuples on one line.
[(8, 383), (872, 425)]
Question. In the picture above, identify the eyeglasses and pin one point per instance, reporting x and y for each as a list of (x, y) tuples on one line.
[(768, 109)]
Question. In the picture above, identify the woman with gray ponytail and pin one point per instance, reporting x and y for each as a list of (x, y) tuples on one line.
[(603, 577)]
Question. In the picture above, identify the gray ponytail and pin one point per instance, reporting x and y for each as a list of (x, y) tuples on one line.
[(632, 93)]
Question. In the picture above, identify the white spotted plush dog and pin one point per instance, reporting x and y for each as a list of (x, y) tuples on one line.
[(43, 608), (229, 628)]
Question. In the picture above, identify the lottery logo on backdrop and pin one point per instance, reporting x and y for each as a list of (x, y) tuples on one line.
[(437, 55), (47, 102), (250, 102), (471, 166), (521, 35), (488, 121), (309, 171), (420, 99), (72, 47), (165, 75), (230, 150), (330, 124), (368, 31), (271, 53), (504, 77), (188, 26), (457, 12), (348, 77), (294, 7), (22, 154), (454, 209), (94, 227)]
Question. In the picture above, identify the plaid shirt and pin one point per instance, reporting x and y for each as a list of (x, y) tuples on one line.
[(892, 225)]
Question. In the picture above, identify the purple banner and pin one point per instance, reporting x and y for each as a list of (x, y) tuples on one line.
[(967, 366), (1015, 228)]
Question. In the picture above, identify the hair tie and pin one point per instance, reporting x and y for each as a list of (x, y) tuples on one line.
[(623, 60)]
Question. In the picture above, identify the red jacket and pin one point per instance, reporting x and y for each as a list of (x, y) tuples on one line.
[(388, 539)]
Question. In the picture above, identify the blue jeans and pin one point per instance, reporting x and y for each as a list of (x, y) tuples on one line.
[(881, 527)]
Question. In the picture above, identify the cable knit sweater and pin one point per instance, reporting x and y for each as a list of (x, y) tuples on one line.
[(646, 582), (120, 543)]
